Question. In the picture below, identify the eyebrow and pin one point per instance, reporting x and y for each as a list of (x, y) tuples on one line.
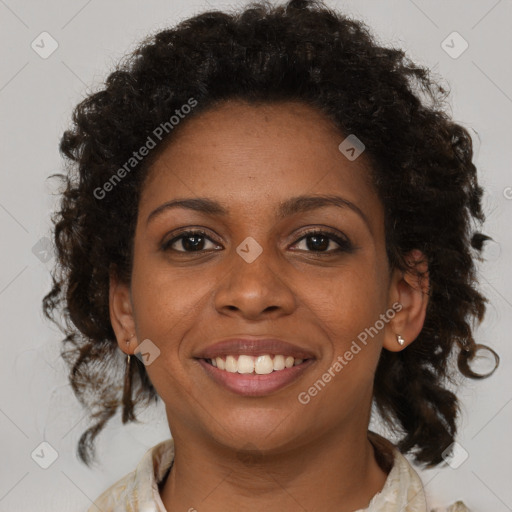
[(299, 204)]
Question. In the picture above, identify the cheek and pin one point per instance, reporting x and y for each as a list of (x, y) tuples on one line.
[(164, 297), (349, 301), (168, 305), (163, 306), (348, 309)]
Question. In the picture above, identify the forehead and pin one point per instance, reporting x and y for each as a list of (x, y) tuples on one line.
[(251, 155)]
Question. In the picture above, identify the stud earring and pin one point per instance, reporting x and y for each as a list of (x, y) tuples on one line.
[(400, 340)]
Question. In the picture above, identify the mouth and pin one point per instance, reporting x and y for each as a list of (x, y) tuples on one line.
[(253, 376), (254, 366), (258, 365)]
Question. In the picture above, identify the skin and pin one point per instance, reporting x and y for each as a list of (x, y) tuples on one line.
[(313, 457)]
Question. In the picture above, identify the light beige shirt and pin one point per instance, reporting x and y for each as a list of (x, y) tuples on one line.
[(138, 491)]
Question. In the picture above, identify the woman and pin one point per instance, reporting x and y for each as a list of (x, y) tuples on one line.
[(269, 212)]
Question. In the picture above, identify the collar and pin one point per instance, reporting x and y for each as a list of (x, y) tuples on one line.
[(403, 490), (138, 491)]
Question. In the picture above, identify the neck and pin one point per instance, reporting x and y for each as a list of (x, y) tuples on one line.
[(333, 472)]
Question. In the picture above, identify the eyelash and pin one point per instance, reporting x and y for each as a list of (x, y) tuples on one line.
[(344, 244)]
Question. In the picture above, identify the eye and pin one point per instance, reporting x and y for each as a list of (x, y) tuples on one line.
[(190, 241), (319, 241)]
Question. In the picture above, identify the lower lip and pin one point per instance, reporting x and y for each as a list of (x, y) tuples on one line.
[(252, 384)]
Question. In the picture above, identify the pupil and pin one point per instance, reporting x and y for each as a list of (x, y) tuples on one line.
[(315, 245), (194, 245)]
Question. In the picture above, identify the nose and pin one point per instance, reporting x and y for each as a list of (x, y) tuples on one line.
[(256, 289)]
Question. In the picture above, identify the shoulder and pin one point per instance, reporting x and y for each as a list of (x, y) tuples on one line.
[(138, 490), (403, 485), (115, 496)]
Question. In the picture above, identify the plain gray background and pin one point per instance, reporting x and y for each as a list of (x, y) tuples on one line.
[(36, 98)]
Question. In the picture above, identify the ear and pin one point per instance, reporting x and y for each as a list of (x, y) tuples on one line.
[(410, 289), (121, 314)]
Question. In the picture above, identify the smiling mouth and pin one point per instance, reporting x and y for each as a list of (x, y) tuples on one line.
[(256, 365), (255, 376)]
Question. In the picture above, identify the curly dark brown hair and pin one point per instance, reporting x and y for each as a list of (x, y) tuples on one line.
[(421, 166)]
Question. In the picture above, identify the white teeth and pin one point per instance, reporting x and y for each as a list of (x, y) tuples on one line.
[(245, 364), (261, 365), (279, 362), (231, 364)]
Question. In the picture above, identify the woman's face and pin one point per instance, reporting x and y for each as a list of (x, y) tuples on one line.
[(256, 274)]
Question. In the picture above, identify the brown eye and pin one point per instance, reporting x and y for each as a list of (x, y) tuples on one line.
[(189, 241), (320, 241)]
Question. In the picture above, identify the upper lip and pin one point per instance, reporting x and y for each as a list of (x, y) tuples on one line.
[(254, 347)]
